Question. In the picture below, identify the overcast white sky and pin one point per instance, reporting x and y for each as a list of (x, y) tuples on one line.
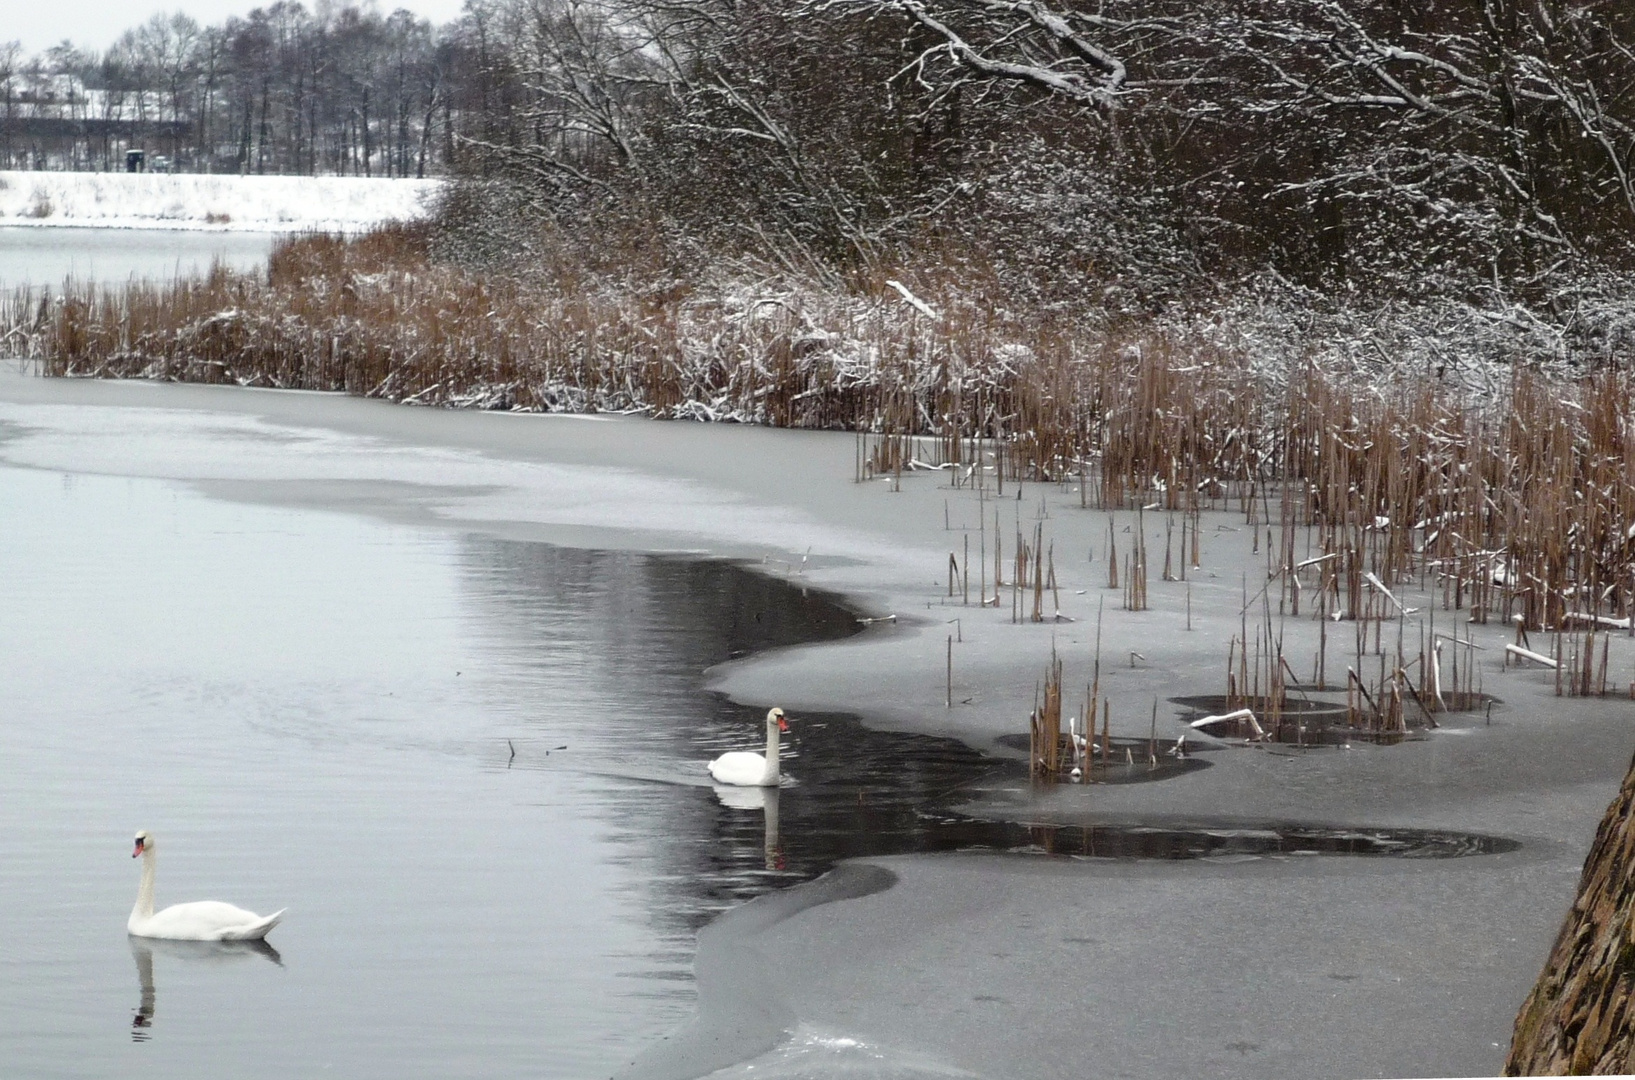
[(39, 24)]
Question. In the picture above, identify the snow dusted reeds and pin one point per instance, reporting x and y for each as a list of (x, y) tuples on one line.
[(375, 317), (1509, 496), (1049, 752)]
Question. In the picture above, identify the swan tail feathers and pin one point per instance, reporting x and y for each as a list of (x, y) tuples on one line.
[(256, 931)]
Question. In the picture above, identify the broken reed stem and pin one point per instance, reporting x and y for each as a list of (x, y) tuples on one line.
[(965, 574), (1112, 553)]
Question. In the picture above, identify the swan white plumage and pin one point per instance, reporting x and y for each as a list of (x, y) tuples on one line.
[(744, 768), (202, 920)]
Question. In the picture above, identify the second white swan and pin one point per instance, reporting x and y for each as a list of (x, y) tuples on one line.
[(202, 920), (745, 768)]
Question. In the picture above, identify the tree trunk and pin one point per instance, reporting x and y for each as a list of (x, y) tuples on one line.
[(1578, 1020)]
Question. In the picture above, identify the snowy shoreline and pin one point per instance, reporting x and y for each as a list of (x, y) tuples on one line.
[(210, 203)]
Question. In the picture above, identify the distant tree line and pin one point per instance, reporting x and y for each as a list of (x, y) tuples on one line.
[(336, 90), (1129, 150)]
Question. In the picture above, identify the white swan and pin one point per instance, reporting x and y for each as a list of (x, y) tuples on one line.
[(202, 920), (746, 769)]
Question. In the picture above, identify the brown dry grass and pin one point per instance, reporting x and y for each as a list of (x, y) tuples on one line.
[(1521, 502)]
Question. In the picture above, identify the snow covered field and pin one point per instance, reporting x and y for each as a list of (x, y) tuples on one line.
[(225, 203)]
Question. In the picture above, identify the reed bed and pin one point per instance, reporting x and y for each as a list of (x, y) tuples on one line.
[(1511, 497)]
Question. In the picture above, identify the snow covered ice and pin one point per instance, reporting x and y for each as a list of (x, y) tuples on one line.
[(228, 203)]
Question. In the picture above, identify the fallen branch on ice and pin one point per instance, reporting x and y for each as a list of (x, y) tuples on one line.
[(1529, 654), (1232, 718)]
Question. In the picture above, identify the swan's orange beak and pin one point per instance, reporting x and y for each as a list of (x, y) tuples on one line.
[(783, 725), (138, 850)]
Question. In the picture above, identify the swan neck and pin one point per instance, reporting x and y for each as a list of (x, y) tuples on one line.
[(772, 740), (772, 750), (144, 892)]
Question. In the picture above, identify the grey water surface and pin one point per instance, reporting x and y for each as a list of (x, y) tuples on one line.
[(472, 768), (45, 256), (312, 711)]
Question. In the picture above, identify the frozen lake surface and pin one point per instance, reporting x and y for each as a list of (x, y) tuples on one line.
[(316, 711), (217, 202), (471, 767), (319, 709), (45, 256), (298, 637)]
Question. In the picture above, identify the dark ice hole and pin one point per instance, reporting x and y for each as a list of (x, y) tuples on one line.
[(850, 791), (1132, 761)]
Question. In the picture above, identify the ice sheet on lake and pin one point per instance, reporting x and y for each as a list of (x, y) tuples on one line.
[(453, 485), (811, 1054)]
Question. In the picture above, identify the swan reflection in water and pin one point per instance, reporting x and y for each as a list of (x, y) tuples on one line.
[(215, 952), (757, 798)]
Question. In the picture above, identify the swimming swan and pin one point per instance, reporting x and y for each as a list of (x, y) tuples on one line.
[(202, 920), (746, 769)]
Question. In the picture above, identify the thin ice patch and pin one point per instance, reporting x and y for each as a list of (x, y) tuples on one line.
[(810, 1054)]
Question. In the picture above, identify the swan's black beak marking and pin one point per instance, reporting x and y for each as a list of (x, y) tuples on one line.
[(783, 725), (138, 850)]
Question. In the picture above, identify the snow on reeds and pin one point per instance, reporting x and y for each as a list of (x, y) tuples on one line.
[(375, 317), (1509, 489)]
